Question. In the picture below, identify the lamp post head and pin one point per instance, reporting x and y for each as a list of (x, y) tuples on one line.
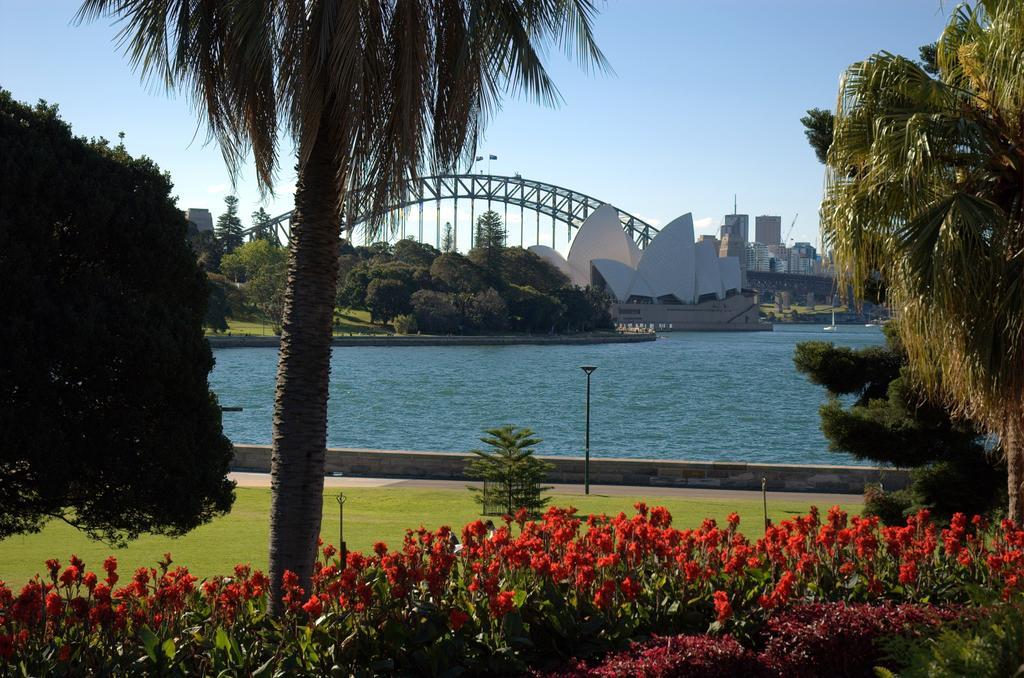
[(588, 368)]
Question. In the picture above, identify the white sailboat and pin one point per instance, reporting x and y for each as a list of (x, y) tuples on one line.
[(832, 327)]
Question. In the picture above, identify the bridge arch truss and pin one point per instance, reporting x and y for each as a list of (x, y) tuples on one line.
[(562, 210)]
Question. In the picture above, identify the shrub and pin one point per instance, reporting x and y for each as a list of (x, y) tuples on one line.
[(836, 639), (890, 507), (404, 324), (989, 646)]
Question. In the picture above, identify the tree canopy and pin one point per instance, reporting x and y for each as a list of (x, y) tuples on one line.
[(926, 186), (106, 417)]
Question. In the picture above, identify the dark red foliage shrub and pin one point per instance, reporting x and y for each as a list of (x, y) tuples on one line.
[(665, 656), (823, 639), (837, 639)]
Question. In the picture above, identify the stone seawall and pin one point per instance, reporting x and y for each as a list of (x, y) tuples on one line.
[(221, 341), (642, 472)]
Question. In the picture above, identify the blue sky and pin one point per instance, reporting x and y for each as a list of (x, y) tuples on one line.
[(704, 103)]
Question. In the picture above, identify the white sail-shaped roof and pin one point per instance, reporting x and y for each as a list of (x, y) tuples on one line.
[(600, 237), (668, 264), (617, 275), (709, 279), (553, 257), (640, 287), (729, 268)]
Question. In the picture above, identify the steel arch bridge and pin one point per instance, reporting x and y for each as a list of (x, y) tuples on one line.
[(560, 206)]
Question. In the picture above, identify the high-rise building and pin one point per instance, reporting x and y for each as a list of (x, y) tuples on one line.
[(802, 258), (768, 230), (758, 257), (200, 217), (737, 226)]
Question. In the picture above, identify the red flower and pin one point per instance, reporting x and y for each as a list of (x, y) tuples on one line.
[(502, 604), (723, 609), (457, 618), (630, 589), (313, 607), (380, 548), (605, 595), (69, 576), (908, 573), (54, 604), (733, 519)]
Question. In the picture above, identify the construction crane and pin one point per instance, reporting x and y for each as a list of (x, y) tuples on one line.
[(790, 231)]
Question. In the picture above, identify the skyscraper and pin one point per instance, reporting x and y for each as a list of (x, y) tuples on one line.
[(768, 230), (200, 217), (737, 226)]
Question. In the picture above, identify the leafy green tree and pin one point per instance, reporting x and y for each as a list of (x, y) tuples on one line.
[(926, 186), (249, 259), (229, 227), (456, 273), (370, 94), (386, 298), (217, 308), (487, 311), (532, 311), (408, 251), (107, 421), (524, 268), (352, 289), (206, 248), (405, 324), (891, 422), (435, 312), (513, 476), (265, 290), (585, 310)]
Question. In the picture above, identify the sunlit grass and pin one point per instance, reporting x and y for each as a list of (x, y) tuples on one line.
[(371, 514)]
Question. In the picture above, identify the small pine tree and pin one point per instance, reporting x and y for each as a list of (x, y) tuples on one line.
[(229, 226), (513, 477), (448, 243)]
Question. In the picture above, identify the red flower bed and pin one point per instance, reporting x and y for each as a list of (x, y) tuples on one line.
[(561, 586)]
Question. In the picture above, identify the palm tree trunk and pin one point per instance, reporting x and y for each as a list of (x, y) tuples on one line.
[(1013, 447), (303, 373)]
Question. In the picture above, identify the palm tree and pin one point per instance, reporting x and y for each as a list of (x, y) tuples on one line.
[(925, 186), (371, 93)]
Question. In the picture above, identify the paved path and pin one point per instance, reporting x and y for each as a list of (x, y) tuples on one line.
[(819, 499)]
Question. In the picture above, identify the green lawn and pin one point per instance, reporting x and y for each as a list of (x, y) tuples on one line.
[(370, 515), (347, 321)]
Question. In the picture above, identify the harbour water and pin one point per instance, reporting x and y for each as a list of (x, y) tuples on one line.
[(692, 395)]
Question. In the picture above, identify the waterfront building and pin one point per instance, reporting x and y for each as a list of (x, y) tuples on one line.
[(202, 218), (672, 284), (768, 230)]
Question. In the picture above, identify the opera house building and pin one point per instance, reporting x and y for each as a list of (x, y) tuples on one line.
[(673, 284)]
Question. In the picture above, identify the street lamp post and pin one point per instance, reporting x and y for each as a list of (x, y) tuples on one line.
[(589, 369)]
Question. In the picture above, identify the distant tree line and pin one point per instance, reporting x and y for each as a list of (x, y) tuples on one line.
[(494, 288)]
